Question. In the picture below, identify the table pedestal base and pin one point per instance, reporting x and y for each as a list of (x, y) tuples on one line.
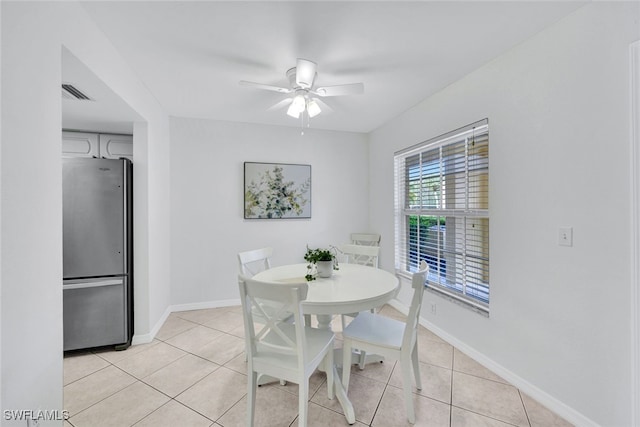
[(341, 394)]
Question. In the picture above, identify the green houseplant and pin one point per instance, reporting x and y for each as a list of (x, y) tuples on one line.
[(321, 262)]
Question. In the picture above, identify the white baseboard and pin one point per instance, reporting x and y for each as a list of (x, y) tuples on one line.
[(147, 338), (203, 305), (534, 392)]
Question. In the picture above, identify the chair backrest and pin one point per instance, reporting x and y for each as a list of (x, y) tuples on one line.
[(417, 282), (274, 337), (363, 255), (255, 261), (365, 239)]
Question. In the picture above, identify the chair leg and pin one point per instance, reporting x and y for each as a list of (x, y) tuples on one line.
[(329, 369), (407, 386), (416, 367), (303, 402), (346, 364), (363, 359), (252, 384)]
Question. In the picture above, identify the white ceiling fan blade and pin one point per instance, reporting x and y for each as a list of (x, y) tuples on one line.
[(280, 104), (305, 73), (265, 87), (339, 90)]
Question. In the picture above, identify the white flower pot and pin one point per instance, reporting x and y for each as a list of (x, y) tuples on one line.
[(325, 268)]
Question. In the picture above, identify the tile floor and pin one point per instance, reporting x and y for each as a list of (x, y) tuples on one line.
[(194, 374)]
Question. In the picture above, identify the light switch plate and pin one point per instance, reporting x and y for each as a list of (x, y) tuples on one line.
[(565, 236)]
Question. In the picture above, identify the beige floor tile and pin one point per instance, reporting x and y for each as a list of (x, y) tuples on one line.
[(464, 418), (146, 362), (216, 393), (202, 316), (93, 388), (124, 408), (178, 376), (392, 412), (273, 408), (364, 394), (238, 331), (490, 398), (113, 356), (391, 312), (317, 383), (539, 416), (194, 338), (238, 364), (436, 381), (376, 371), (77, 366), (174, 414), (234, 309), (226, 322), (426, 334), (323, 417), (435, 353), (97, 393), (465, 364), (173, 326), (222, 349)]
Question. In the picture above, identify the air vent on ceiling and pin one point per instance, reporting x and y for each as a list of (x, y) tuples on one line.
[(71, 92)]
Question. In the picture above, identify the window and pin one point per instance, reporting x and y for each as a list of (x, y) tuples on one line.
[(442, 213)]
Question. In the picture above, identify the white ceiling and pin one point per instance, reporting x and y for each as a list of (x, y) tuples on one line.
[(105, 112), (191, 55)]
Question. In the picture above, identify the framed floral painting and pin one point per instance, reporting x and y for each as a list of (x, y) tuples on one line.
[(277, 191)]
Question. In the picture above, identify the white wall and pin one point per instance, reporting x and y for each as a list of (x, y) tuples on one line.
[(558, 109), (31, 198), (207, 224)]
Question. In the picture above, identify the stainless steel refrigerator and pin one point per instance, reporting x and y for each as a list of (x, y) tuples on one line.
[(97, 253)]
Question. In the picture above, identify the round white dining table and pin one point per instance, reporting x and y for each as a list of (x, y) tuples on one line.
[(350, 289)]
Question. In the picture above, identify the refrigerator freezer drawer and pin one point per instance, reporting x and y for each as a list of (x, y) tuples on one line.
[(95, 312)]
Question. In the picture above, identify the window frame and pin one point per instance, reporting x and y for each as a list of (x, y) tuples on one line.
[(457, 173)]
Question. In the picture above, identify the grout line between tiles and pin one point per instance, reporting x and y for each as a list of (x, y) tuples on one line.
[(526, 413), (376, 412)]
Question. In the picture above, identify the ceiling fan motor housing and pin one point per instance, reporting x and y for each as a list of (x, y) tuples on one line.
[(303, 74)]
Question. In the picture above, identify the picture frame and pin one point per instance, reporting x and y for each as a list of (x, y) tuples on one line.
[(277, 190)]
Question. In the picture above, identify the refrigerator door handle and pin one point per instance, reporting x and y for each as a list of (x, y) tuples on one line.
[(86, 285)]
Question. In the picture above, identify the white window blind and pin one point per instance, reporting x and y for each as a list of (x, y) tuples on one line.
[(442, 212)]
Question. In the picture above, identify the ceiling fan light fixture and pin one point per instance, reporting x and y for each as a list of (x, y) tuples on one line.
[(313, 109), (297, 106), (292, 111)]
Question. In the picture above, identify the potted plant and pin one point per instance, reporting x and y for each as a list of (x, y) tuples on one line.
[(322, 262)]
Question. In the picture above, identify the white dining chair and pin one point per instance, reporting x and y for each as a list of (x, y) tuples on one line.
[(251, 263), (365, 239), (359, 254), (363, 255), (291, 351), (390, 338), (254, 261)]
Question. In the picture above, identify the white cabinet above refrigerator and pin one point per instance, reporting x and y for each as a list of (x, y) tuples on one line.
[(103, 145)]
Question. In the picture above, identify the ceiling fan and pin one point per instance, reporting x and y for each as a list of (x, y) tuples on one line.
[(301, 81)]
